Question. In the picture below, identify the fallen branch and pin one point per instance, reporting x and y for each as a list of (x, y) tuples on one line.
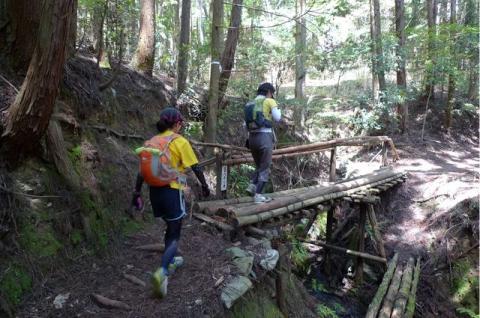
[(156, 247), (109, 303), (431, 198), (134, 280)]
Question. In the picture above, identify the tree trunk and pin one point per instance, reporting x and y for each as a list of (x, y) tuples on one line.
[(378, 45), (471, 20), (300, 44), (133, 26), (145, 53), (99, 12), (202, 12), (373, 50), (451, 76), (20, 20), (29, 115), (182, 69), (402, 107), (430, 48), (72, 38), (228, 56), (443, 33), (217, 20), (100, 15)]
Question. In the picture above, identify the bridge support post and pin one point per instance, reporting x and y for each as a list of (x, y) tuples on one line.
[(361, 242), (376, 233), (331, 210)]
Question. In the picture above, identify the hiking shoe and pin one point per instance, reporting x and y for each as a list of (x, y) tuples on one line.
[(251, 189), (160, 282), (261, 199), (177, 262)]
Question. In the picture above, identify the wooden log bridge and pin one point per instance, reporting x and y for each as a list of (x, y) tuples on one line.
[(242, 211), (229, 155)]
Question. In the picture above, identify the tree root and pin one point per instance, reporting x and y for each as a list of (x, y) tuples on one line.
[(134, 280), (109, 303)]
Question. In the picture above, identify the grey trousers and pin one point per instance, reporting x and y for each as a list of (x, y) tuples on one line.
[(261, 146)]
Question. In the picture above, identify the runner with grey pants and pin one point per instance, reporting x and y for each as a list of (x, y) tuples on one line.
[(259, 117)]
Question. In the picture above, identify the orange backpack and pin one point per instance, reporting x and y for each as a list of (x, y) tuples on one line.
[(155, 161)]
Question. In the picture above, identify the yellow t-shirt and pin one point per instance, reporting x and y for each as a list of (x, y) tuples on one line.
[(182, 155), (268, 105)]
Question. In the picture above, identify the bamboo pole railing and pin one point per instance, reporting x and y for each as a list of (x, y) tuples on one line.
[(318, 147)]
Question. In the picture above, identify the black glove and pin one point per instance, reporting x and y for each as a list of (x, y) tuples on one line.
[(137, 201), (205, 191)]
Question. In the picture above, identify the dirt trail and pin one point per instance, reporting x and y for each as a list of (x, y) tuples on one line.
[(442, 173), (191, 292), (440, 176)]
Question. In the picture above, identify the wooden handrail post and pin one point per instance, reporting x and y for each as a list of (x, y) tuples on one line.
[(384, 154), (333, 165)]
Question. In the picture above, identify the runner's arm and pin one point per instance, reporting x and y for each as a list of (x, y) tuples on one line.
[(201, 177), (138, 183)]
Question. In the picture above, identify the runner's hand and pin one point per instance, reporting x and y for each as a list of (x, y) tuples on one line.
[(137, 201)]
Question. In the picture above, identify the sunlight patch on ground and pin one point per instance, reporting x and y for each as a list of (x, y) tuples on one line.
[(421, 165)]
